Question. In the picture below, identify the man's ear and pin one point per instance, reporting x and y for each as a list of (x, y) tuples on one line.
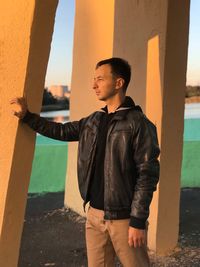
[(119, 83)]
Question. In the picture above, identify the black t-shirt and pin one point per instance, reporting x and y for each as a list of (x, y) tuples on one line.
[(96, 191)]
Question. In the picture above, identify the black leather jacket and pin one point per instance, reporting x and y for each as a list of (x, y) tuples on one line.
[(131, 167)]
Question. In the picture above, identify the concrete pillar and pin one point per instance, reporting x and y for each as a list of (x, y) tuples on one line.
[(93, 40), (153, 36), (25, 35)]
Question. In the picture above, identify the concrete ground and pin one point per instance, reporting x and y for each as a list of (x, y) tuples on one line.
[(54, 236)]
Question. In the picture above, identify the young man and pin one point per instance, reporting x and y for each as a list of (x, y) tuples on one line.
[(118, 167)]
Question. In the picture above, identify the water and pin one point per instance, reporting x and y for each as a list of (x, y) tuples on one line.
[(192, 111), (57, 116)]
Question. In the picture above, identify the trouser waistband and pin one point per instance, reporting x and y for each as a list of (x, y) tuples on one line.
[(96, 212)]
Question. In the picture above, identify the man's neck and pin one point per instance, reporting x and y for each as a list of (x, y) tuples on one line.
[(115, 102)]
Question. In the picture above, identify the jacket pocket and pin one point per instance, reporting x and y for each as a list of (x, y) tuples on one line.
[(86, 144)]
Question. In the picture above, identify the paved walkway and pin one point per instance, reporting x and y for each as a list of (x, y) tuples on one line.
[(53, 236)]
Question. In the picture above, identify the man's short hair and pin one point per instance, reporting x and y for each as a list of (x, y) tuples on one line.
[(120, 69)]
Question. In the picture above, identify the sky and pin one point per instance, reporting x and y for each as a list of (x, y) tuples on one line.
[(60, 60), (193, 67)]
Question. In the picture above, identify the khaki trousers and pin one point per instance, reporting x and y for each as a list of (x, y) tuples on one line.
[(105, 238)]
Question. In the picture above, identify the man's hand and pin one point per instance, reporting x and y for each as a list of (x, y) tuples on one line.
[(136, 237), (21, 108)]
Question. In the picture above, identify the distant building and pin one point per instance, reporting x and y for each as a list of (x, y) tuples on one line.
[(59, 91)]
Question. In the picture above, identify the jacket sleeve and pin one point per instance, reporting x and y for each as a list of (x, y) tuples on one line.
[(146, 151), (64, 132)]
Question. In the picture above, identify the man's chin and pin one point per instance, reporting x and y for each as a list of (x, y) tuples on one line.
[(101, 98)]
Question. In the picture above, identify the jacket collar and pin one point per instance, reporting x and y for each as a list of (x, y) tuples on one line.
[(122, 110)]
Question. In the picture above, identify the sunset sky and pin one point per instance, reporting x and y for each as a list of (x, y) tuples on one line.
[(60, 61)]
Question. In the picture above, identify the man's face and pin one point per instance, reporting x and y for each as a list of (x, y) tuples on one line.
[(104, 83)]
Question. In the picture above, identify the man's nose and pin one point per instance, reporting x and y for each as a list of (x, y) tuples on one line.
[(94, 85)]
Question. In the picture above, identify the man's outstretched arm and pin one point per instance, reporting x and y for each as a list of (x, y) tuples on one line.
[(65, 132)]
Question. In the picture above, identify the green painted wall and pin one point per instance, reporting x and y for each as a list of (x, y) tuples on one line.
[(190, 175), (49, 166), (192, 130)]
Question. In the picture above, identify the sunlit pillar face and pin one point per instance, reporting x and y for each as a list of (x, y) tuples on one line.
[(104, 83)]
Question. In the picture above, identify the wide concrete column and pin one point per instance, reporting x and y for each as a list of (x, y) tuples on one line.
[(25, 35), (93, 40), (153, 37)]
